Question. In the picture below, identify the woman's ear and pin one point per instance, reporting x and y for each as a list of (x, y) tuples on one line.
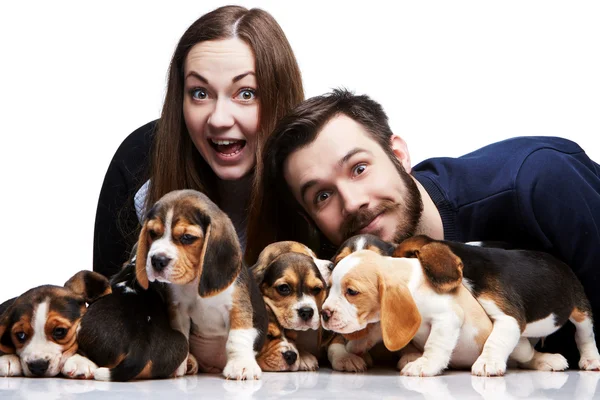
[(400, 149), (400, 318)]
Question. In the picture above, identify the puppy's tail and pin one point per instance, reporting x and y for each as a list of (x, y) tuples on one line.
[(131, 367)]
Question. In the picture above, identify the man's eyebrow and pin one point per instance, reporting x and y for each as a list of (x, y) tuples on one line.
[(351, 153), (342, 161)]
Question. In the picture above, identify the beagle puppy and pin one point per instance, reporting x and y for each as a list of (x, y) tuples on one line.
[(395, 301), (38, 330), (365, 241), (188, 243), (279, 353), (146, 347), (293, 284), (526, 294)]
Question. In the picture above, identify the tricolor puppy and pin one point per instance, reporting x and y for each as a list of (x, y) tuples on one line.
[(395, 294), (38, 330), (293, 283), (189, 243), (128, 334), (279, 353), (526, 294), (363, 242)]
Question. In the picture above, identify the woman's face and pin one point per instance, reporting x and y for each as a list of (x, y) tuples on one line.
[(220, 105)]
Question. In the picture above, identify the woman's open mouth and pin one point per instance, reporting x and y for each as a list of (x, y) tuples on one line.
[(227, 147)]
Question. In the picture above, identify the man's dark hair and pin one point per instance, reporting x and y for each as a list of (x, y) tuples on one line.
[(275, 214)]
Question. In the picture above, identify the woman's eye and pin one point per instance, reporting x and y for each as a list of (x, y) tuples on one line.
[(359, 169), (351, 292), (199, 94), (21, 336), (246, 95), (187, 238), (321, 197), (59, 333), (284, 289)]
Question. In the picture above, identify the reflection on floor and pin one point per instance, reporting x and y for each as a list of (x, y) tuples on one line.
[(376, 384)]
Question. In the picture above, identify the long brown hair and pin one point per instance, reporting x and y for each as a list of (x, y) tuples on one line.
[(275, 214), (175, 162)]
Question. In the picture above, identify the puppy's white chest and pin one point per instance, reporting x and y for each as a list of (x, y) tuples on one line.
[(209, 315)]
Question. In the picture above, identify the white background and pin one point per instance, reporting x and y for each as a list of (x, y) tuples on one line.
[(77, 77)]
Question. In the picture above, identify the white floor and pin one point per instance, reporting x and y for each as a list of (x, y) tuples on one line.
[(325, 384)]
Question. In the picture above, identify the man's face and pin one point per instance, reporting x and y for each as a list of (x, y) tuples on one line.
[(348, 185)]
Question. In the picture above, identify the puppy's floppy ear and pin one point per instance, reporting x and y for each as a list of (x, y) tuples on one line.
[(221, 258), (141, 256), (325, 268), (400, 318), (441, 266), (89, 284), (408, 247), (6, 344)]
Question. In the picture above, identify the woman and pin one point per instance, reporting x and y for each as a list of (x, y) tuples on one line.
[(232, 76)]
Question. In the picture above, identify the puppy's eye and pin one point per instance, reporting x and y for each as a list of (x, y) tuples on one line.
[(270, 336), (59, 333), (351, 292), (284, 289), (186, 238), (316, 290), (153, 234), (21, 337)]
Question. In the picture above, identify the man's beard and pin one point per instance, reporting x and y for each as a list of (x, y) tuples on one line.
[(409, 212)]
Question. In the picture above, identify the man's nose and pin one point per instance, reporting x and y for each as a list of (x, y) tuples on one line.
[(222, 114), (353, 197)]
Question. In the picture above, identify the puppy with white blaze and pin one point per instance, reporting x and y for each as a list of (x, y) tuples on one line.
[(191, 245), (391, 299)]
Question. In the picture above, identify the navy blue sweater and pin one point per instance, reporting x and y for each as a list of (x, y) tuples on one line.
[(534, 192)]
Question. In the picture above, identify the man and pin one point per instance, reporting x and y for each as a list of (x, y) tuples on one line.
[(334, 168)]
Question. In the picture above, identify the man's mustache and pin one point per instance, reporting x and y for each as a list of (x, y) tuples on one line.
[(363, 217)]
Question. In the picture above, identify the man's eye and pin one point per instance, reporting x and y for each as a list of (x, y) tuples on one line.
[(351, 292), (321, 197), (284, 289), (246, 95), (59, 333), (199, 94), (21, 336), (187, 238), (359, 169)]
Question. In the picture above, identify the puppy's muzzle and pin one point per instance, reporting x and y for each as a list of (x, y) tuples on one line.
[(326, 314), (38, 367), (290, 357), (160, 262), (306, 313)]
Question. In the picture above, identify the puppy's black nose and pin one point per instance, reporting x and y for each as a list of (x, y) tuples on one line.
[(290, 357), (38, 367), (160, 262), (306, 313), (326, 314)]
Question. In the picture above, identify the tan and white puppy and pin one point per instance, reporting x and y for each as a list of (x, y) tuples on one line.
[(279, 353), (38, 330), (293, 283), (444, 321), (189, 243)]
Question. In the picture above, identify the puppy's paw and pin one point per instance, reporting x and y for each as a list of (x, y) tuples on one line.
[(191, 365), (10, 365), (348, 362), (368, 359), (589, 363), (79, 367), (307, 362), (546, 362), (421, 367), (242, 368), (488, 366), (407, 358)]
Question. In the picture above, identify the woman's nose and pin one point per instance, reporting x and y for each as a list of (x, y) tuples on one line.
[(222, 114)]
